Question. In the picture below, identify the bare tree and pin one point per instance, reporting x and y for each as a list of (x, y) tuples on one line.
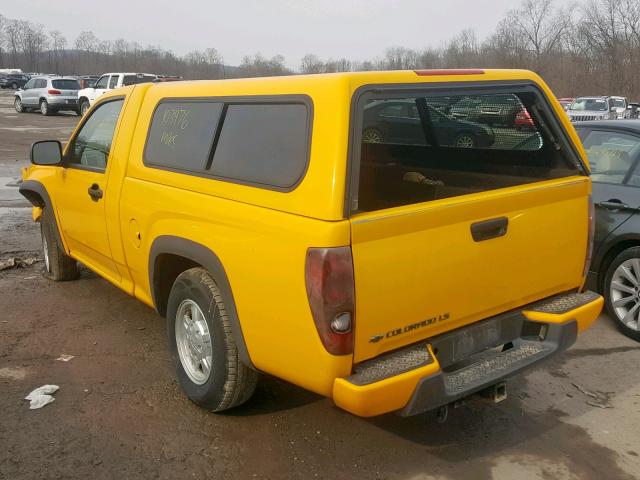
[(311, 64), (589, 48), (58, 45)]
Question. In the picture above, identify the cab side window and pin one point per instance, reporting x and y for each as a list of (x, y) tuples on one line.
[(91, 146), (102, 82), (113, 83)]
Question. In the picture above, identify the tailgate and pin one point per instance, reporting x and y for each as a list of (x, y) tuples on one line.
[(460, 225), (419, 272)]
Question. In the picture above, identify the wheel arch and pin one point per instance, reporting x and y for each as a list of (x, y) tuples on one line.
[(169, 256), (612, 251), (38, 196)]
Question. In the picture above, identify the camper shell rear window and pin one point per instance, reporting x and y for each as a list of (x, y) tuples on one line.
[(412, 144)]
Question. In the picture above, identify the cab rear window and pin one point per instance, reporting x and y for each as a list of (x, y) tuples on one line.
[(417, 146), (262, 143)]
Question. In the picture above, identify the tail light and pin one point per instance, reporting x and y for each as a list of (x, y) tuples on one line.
[(331, 294), (54, 92), (590, 235), (523, 116)]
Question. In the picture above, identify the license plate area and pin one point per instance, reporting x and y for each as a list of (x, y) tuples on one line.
[(454, 347)]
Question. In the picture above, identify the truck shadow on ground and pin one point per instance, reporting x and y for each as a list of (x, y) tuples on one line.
[(482, 432), (273, 395)]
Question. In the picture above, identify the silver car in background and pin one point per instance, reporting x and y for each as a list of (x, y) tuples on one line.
[(49, 95)]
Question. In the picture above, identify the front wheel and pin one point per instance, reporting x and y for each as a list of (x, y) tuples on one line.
[(622, 292), (17, 104), (208, 366), (58, 266), (14, 86), (84, 107)]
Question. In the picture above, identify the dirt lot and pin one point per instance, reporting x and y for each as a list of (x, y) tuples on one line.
[(120, 414)]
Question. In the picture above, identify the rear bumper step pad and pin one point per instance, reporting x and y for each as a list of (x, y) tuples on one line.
[(456, 364), (488, 368)]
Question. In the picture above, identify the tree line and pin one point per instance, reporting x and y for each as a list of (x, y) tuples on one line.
[(588, 47)]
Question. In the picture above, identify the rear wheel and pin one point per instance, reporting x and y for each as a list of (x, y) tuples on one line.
[(465, 140), (622, 292), (14, 86), (371, 135), (58, 265), (45, 109), (208, 366)]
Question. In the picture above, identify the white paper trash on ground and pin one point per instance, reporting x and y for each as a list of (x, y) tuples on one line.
[(41, 396)]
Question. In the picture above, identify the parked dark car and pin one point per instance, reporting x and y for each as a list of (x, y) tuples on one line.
[(613, 149), (398, 121), (13, 80)]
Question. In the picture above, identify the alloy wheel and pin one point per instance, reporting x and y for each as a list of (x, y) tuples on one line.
[(465, 141), (371, 136), (194, 342), (625, 293), (45, 249)]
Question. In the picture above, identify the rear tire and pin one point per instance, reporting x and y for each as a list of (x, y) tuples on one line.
[(14, 86), (465, 140), (372, 135), (58, 266), (45, 109), (619, 286), (207, 363)]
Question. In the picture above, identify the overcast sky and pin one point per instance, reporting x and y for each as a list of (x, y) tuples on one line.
[(355, 29)]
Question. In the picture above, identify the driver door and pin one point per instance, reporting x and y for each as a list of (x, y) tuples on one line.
[(80, 199), (100, 87)]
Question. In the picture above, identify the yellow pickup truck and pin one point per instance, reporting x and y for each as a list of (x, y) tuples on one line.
[(395, 241)]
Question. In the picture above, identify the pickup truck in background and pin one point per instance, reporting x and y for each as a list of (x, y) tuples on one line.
[(107, 82), (274, 236)]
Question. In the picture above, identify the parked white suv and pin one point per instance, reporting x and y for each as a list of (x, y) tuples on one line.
[(597, 108), (109, 81)]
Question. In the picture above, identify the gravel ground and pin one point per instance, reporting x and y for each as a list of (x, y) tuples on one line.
[(120, 414)]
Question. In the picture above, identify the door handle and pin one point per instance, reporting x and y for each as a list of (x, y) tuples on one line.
[(613, 204), (95, 192), (488, 229)]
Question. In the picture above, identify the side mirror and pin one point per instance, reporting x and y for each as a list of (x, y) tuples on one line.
[(46, 152)]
